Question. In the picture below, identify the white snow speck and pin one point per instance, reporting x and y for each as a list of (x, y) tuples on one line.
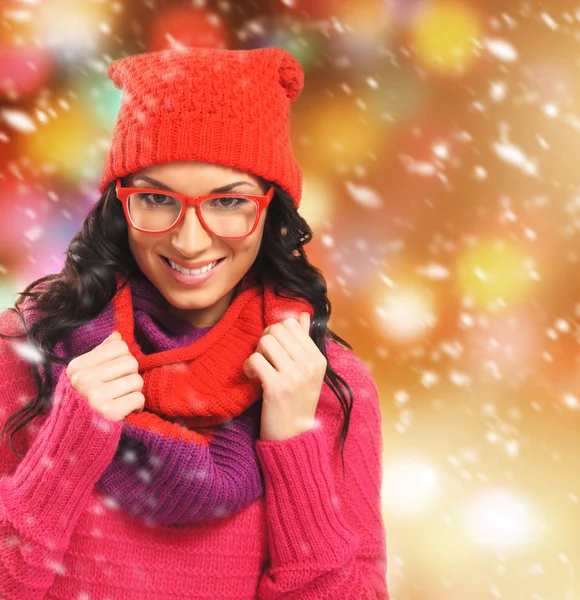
[(18, 120), (548, 20), (514, 155), (434, 271), (501, 49), (364, 195)]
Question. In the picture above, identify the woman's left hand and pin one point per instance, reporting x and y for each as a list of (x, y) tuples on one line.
[(291, 369)]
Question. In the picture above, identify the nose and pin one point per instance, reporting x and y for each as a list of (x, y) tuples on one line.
[(190, 237)]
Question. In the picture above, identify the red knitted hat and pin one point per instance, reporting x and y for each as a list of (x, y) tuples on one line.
[(230, 107)]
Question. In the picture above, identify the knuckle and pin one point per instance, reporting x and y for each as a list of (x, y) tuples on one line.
[(109, 414), (121, 345), (140, 400), (298, 377), (132, 362), (95, 397), (279, 327), (73, 378)]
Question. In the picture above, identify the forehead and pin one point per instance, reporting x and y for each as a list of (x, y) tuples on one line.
[(193, 170)]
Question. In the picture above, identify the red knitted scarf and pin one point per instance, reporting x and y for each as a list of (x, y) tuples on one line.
[(204, 383)]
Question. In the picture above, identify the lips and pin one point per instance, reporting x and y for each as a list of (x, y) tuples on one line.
[(219, 260)]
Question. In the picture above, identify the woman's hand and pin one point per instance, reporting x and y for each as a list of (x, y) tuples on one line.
[(291, 369), (108, 378)]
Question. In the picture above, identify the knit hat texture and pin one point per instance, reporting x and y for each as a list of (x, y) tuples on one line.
[(230, 107)]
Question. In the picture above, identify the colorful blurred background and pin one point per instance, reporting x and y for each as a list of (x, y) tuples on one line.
[(438, 140)]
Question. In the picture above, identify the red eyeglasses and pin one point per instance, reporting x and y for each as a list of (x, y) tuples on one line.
[(224, 215)]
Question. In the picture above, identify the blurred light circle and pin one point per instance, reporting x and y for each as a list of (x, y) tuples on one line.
[(8, 293), (72, 145), (501, 520), (410, 487), (404, 11), (444, 35), (46, 258), (494, 274), (103, 98), (316, 10), (364, 18), (364, 31), (399, 95), (406, 313), (187, 27), (508, 340), (25, 211), (306, 45), (340, 133), (317, 204), (23, 70), (71, 26)]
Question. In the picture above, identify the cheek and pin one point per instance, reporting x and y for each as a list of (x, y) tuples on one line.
[(252, 245), (139, 245)]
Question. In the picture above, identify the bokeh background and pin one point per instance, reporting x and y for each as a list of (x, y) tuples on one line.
[(439, 142)]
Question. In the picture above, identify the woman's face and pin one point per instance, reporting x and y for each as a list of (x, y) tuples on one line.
[(201, 303)]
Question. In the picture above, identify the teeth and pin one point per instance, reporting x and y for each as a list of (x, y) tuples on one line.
[(193, 271)]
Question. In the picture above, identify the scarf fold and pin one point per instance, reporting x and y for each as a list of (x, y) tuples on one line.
[(190, 455)]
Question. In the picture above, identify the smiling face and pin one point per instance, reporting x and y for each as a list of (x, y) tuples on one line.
[(202, 302)]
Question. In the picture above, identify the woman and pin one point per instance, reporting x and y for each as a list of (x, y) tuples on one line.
[(177, 422)]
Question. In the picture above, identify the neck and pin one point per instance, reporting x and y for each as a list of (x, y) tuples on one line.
[(205, 317)]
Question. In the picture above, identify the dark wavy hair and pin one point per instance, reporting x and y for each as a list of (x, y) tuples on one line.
[(86, 284)]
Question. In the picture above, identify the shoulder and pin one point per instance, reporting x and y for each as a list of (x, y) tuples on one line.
[(349, 366), (16, 354), (357, 375), (17, 383)]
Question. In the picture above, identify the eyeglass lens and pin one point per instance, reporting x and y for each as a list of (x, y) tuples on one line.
[(225, 216)]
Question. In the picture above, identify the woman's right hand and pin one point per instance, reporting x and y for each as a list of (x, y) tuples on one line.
[(108, 378)]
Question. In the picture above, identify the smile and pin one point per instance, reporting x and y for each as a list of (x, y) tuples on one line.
[(191, 276)]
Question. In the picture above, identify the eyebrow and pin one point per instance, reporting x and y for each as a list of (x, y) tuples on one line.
[(162, 186)]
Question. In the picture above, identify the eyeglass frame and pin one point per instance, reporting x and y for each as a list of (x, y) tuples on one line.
[(262, 200)]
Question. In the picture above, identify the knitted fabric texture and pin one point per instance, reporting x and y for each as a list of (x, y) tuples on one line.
[(230, 107), (315, 533), (189, 456)]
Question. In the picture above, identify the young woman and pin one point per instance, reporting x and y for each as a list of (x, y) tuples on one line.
[(178, 420)]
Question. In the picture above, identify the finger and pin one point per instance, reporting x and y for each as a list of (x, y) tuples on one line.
[(102, 354), (111, 390), (118, 367), (288, 341), (275, 353), (114, 336), (118, 409), (265, 371), (300, 332), (249, 370), (305, 321)]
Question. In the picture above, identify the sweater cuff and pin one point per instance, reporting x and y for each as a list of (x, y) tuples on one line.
[(51, 486), (305, 522)]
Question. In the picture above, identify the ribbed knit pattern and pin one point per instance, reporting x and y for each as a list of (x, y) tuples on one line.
[(313, 534), (173, 466), (230, 107)]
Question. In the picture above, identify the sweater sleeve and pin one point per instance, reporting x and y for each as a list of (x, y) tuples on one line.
[(326, 533), (43, 494)]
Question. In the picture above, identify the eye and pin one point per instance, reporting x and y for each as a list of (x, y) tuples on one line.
[(227, 202), (152, 199)]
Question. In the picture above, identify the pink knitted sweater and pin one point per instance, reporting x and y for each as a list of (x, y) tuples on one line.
[(313, 535)]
